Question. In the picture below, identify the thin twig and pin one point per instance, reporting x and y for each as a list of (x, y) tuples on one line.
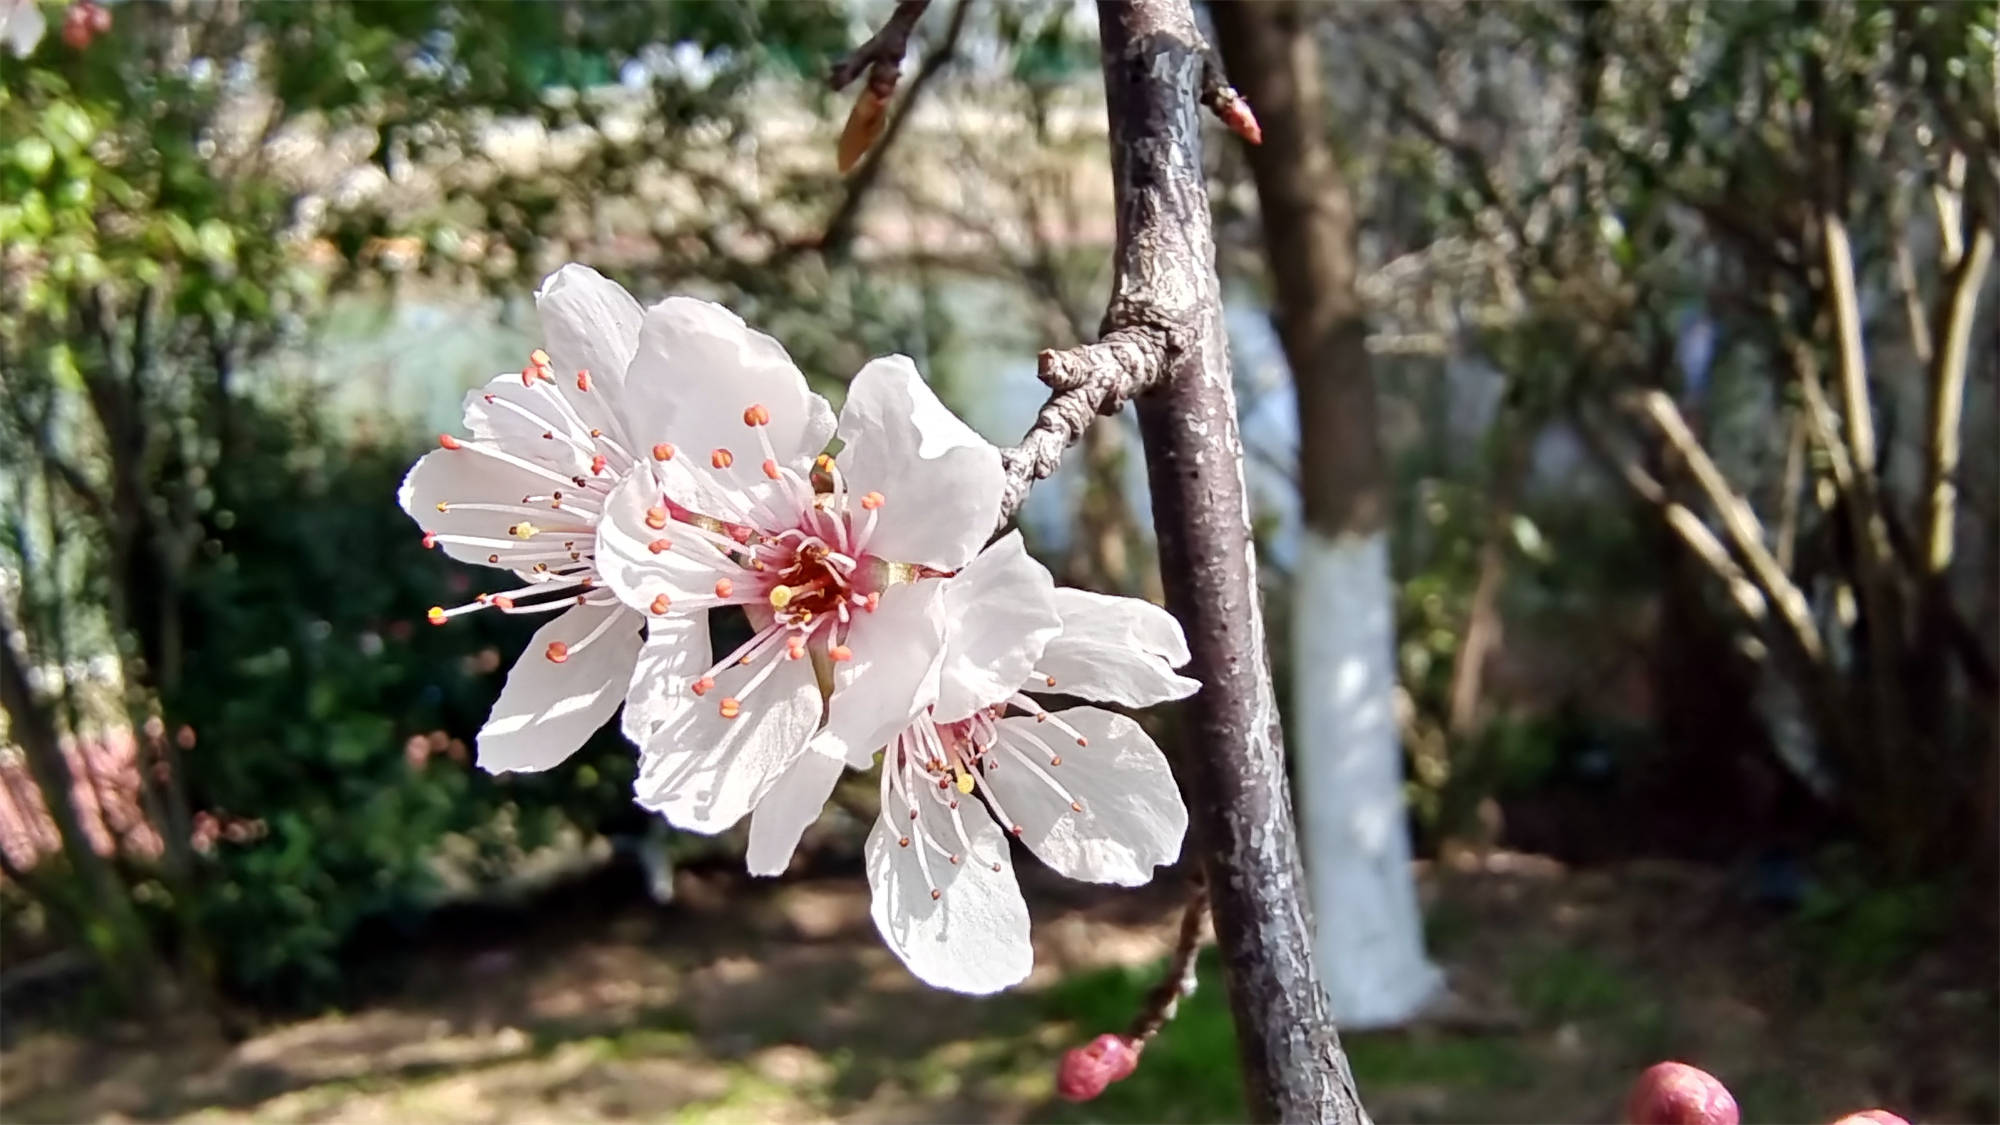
[(1178, 982), (882, 55), (1089, 380)]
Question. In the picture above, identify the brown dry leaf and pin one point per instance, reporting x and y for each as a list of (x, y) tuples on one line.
[(863, 129)]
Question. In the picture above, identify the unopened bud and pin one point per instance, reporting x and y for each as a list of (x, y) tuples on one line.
[(864, 127), (1673, 1093), (1087, 1070)]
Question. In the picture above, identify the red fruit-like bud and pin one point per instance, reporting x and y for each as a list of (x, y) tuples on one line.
[(1871, 1117), (1087, 1070), (1672, 1093)]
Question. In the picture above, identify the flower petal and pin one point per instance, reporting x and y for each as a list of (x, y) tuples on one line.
[(22, 25), (1002, 610), (973, 937), (1117, 650), (515, 417), (941, 481), (462, 476), (791, 806), (675, 653), (893, 675), (704, 772), (627, 564), (1132, 819), (547, 709), (699, 368), (590, 323)]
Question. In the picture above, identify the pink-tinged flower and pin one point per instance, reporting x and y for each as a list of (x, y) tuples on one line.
[(838, 564), (1085, 789), (22, 26), (524, 493)]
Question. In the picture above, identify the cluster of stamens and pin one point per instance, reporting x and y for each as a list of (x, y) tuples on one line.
[(798, 552), (557, 557), (943, 763)]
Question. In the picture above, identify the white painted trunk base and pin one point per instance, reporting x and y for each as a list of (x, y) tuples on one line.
[(1349, 769)]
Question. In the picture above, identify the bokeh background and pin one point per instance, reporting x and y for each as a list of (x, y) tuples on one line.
[(252, 255)]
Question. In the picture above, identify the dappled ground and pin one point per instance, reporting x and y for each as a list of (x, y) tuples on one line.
[(775, 1003)]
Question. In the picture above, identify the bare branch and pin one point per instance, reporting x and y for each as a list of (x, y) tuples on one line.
[(1089, 380), (1179, 980), (840, 226), (882, 55), (1947, 401), (1746, 533)]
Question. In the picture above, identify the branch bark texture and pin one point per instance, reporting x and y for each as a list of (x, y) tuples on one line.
[(1164, 331)]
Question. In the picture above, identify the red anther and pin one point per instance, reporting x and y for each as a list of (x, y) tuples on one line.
[(795, 647), (1049, 680), (756, 415), (503, 602), (528, 376), (583, 380), (663, 452), (558, 652), (596, 433), (658, 545), (872, 501), (902, 841), (548, 435), (741, 532), (874, 600), (448, 441), (770, 468), (722, 458), (661, 604), (936, 894), (656, 518), (1056, 761), (724, 587), (840, 654), (1082, 741), (436, 615), (731, 707), (1076, 806), (702, 685), (430, 540), (1086, 1071), (597, 464)]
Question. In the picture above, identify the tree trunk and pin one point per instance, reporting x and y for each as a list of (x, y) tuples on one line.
[(1232, 769), (112, 929), (1350, 768)]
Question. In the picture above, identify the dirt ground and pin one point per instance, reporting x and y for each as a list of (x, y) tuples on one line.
[(775, 1002)]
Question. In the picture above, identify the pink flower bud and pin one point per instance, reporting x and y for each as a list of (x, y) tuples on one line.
[(1871, 1117), (1672, 1093), (1087, 1070)]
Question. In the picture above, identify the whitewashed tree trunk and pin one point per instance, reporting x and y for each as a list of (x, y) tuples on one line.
[(1348, 764)]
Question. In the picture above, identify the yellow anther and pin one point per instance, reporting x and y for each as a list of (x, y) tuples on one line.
[(524, 530), (444, 505)]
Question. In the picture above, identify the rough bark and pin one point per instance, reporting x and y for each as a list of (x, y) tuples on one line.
[(1166, 307)]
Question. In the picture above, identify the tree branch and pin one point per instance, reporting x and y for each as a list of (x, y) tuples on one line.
[(840, 226), (1947, 401), (1746, 533), (1163, 332), (882, 55)]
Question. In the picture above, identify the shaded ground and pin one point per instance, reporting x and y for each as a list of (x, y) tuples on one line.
[(776, 1003)]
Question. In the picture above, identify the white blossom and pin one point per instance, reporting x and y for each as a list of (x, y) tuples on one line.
[(22, 26), (1085, 789), (524, 493), (836, 562)]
